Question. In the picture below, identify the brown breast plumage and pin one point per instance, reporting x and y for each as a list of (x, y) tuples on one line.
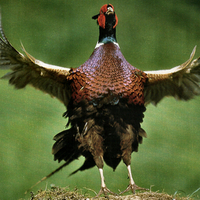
[(106, 77)]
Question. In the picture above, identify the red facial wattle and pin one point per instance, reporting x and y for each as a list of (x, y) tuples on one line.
[(102, 18)]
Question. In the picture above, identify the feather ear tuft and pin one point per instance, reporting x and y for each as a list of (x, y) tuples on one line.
[(95, 16)]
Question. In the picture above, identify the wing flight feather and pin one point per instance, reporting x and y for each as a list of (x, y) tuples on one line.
[(26, 70), (181, 82)]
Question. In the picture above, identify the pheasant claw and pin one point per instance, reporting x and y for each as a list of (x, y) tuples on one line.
[(132, 187)]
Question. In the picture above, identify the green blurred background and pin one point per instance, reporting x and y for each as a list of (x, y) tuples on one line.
[(156, 34)]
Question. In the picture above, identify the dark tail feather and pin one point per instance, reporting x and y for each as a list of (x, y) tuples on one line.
[(66, 146), (53, 172), (89, 163), (49, 175)]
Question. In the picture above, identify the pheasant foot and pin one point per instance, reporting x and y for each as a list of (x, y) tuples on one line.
[(105, 191), (132, 187)]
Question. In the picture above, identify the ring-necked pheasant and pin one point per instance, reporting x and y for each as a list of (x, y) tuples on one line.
[(105, 97)]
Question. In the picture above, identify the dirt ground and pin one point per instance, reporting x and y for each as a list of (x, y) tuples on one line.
[(64, 193)]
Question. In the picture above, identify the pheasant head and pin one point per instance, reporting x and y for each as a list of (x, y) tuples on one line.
[(107, 21)]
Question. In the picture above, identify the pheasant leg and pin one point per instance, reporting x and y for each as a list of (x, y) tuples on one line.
[(104, 190), (132, 186)]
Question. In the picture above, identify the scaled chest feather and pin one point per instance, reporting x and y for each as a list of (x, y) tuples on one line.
[(106, 77)]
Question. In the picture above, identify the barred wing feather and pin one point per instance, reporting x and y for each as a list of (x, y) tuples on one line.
[(26, 70), (181, 82)]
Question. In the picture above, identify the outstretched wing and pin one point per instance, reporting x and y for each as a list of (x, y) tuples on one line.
[(27, 70), (181, 82)]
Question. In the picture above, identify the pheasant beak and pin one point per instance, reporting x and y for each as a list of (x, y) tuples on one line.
[(109, 11)]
